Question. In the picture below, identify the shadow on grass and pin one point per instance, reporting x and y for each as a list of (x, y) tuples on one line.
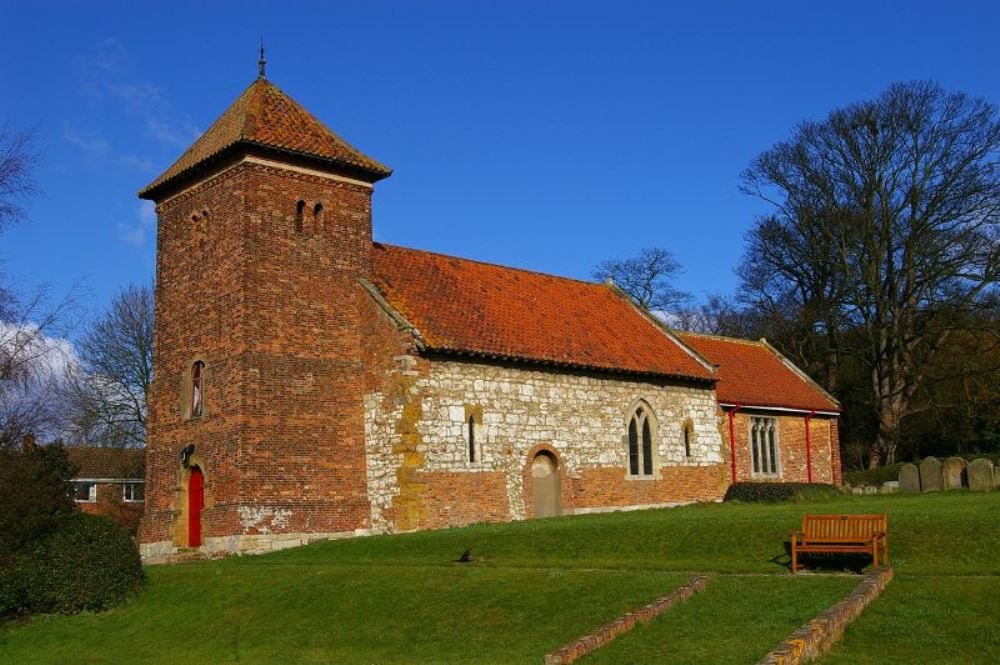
[(848, 562)]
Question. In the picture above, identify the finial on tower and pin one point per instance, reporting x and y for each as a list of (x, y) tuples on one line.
[(262, 63)]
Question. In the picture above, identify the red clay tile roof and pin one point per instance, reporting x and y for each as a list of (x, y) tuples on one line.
[(753, 374), (468, 307), (120, 463), (265, 116)]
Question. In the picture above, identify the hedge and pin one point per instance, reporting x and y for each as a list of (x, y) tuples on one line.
[(776, 492), (87, 562)]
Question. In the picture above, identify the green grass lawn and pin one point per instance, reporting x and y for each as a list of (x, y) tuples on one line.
[(535, 585)]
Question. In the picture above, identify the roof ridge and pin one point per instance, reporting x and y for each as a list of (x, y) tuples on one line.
[(493, 265), (726, 338)]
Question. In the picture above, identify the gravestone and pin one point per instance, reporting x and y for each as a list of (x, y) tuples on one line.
[(930, 475), (909, 479), (981, 474), (951, 473)]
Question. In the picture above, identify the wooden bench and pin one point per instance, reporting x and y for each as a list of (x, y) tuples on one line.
[(836, 534)]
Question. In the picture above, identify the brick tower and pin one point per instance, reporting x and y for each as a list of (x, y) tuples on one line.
[(256, 423)]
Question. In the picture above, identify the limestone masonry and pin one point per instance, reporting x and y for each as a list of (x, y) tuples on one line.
[(311, 383)]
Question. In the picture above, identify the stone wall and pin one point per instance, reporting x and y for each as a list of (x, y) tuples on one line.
[(419, 471)]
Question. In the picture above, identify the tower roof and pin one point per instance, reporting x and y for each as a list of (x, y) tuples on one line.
[(266, 118)]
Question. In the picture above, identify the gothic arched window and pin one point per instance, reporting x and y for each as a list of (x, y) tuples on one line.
[(640, 444)]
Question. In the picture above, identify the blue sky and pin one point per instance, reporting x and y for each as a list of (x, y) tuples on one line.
[(544, 135)]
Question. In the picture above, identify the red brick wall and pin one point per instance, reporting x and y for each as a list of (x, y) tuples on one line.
[(200, 309), (456, 499), (608, 487), (110, 501), (792, 447), (276, 316)]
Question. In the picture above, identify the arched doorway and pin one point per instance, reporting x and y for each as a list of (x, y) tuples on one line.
[(196, 501), (545, 485)]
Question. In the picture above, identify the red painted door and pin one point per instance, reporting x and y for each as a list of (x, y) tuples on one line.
[(196, 501)]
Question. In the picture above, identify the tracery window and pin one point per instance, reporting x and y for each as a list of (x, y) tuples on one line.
[(764, 446), (640, 444)]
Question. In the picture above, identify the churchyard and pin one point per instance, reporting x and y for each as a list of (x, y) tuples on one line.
[(532, 586)]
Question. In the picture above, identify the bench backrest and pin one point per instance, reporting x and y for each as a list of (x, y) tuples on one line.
[(843, 527)]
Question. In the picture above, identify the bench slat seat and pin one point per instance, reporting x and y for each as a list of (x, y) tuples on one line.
[(835, 534)]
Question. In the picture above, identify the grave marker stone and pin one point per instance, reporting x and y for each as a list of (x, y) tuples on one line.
[(930, 475), (952, 472), (909, 479), (981, 474)]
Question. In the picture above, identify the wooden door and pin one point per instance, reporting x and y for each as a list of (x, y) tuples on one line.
[(545, 486), (196, 501)]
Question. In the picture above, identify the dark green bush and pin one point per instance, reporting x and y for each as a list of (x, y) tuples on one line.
[(876, 476), (776, 492), (35, 493), (87, 562)]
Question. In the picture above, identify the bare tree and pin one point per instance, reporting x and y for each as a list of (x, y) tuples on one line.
[(718, 315), (18, 157), (110, 388), (648, 278), (31, 352), (886, 223)]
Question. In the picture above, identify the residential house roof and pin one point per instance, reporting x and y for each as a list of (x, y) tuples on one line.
[(108, 463)]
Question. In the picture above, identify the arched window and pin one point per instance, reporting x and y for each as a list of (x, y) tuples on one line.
[(197, 389), (202, 229), (317, 217), (640, 444), (472, 438), (687, 439), (300, 211)]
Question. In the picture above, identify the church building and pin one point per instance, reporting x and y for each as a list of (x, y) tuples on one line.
[(311, 383)]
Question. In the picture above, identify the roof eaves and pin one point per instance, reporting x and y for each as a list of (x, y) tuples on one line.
[(371, 173), (548, 362), (786, 409)]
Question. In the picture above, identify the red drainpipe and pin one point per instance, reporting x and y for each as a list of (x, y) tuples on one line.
[(732, 441), (809, 457)]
